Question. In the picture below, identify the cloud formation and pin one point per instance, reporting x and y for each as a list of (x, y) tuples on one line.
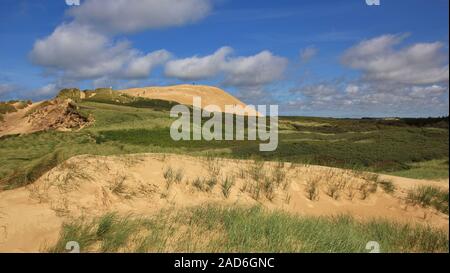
[(77, 52), (256, 70), (380, 60), (260, 69), (394, 80), (126, 16), (197, 68), (307, 54), (355, 98), (141, 66), (85, 48)]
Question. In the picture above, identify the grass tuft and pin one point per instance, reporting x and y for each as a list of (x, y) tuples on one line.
[(227, 183), (429, 196)]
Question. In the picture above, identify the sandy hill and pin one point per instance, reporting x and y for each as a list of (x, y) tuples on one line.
[(31, 217), (184, 94)]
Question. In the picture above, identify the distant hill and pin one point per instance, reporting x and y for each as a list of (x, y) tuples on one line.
[(184, 94)]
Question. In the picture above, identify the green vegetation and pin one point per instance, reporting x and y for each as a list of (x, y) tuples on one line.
[(220, 229), (126, 125), (433, 169), (6, 107), (227, 183), (387, 186), (427, 196), (70, 93), (171, 176), (32, 172)]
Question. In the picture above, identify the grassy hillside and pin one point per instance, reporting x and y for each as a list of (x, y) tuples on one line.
[(123, 125)]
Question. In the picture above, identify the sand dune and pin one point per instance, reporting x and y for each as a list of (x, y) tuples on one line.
[(31, 217), (40, 116), (184, 93)]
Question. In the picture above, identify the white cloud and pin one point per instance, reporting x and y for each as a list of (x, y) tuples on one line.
[(362, 98), (352, 89), (77, 52), (49, 89), (260, 69), (255, 70), (380, 60), (196, 68), (427, 91), (125, 16), (307, 54), (140, 67), (84, 48)]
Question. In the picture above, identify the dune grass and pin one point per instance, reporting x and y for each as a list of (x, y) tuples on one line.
[(239, 229), (32, 172), (427, 196)]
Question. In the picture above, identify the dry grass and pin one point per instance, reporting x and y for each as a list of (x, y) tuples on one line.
[(312, 188)]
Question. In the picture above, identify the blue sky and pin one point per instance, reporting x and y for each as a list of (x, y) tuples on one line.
[(320, 58)]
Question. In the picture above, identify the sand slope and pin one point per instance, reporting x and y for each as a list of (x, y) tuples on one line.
[(31, 217), (184, 93), (40, 116)]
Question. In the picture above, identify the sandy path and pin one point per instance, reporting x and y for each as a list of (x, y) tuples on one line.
[(92, 185)]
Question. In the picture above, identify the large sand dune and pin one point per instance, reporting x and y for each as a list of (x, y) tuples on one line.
[(184, 94), (31, 217)]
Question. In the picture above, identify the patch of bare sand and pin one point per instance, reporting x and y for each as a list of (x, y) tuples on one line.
[(40, 116), (31, 217), (184, 94)]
